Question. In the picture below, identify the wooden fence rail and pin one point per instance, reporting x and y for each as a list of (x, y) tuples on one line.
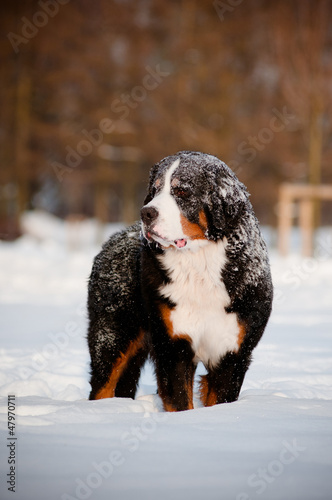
[(305, 195)]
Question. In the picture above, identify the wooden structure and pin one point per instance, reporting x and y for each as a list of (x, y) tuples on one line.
[(305, 195)]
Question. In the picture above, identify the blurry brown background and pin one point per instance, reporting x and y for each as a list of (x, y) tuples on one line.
[(94, 92)]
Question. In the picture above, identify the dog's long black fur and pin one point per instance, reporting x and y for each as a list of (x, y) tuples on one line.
[(125, 302)]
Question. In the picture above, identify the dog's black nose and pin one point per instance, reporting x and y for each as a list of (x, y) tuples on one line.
[(149, 215)]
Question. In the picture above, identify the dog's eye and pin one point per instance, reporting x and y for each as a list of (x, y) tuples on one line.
[(181, 193)]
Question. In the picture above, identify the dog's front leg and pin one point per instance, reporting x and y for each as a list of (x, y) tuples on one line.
[(175, 370), (222, 383)]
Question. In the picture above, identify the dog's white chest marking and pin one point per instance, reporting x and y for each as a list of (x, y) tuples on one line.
[(201, 297), (168, 224)]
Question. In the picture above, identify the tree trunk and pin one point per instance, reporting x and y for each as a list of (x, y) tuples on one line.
[(129, 214), (315, 156), (22, 131), (315, 146)]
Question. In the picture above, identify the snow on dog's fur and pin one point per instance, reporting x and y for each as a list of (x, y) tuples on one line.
[(191, 282)]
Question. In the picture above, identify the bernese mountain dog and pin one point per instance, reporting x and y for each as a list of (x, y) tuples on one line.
[(190, 282)]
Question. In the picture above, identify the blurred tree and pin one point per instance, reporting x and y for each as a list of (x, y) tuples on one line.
[(101, 90), (303, 43)]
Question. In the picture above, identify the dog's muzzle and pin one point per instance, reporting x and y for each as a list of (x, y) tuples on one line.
[(149, 216)]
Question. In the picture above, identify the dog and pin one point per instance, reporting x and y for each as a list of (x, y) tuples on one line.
[(190, 282)]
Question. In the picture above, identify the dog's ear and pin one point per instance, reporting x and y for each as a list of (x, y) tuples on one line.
[(227, 201)]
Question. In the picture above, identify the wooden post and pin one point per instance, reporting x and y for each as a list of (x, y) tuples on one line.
[(306, 223), (306, 195), (285, 219)]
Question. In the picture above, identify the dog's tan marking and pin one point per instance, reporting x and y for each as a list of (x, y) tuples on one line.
[(165, 312), (207, 395), (242, 334), (194, 231), (108, 390)]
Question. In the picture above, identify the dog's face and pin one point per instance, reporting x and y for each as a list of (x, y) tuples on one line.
[(192, 198)]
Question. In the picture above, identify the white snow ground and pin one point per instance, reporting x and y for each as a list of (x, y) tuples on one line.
[(274, 443)]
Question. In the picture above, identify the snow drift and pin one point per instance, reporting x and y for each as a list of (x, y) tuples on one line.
[(273, 443)]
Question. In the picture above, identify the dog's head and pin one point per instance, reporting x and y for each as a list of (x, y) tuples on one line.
[(193, 198)]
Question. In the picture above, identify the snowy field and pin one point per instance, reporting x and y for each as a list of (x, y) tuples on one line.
[(274, 443)]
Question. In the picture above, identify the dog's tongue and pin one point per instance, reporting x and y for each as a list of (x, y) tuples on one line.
[(180, 243)]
